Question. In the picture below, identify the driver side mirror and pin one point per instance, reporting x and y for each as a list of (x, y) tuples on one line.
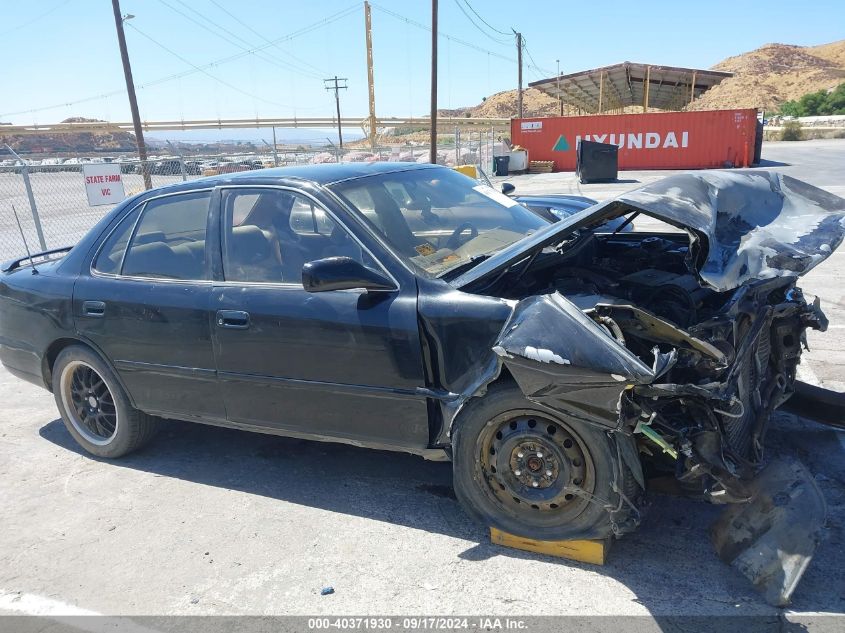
[(342, 273), (508, 188)]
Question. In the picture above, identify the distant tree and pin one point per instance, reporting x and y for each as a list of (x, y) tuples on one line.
[(836, 100), (814, 103), (790, 108), (820, 103)]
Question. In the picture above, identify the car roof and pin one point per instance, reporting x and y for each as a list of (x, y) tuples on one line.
[(319, 174)]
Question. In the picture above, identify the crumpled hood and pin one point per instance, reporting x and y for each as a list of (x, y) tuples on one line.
[(751, 224), (755, 224)]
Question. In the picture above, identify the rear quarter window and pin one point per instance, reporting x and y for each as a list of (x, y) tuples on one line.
[(111, 254)]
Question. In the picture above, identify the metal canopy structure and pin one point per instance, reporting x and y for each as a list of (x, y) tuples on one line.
[(613, 88)]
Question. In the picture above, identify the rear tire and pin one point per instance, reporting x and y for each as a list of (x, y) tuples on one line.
[(94, 406), (515, 467)]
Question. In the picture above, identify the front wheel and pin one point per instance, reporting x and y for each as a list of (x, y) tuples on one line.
[(94, 407), (537, 474)]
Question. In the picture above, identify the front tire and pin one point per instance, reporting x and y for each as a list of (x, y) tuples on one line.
[(538, 474), (94, 406)]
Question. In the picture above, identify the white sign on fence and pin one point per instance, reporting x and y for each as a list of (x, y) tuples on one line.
[(103, 184)]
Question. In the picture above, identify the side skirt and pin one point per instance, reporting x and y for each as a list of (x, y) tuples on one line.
[(430, 454)]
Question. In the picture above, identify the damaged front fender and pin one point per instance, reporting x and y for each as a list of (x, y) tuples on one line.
[(563, 359)]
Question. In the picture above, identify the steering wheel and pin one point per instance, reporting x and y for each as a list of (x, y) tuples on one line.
[(455, 240)]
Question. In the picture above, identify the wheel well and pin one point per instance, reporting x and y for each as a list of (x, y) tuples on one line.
[(52, 354), (503, 378)]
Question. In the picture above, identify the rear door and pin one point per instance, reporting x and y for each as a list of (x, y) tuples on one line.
[(147, 306), (337, 364)]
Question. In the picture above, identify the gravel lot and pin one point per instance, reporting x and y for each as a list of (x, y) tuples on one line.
[(214, 521)]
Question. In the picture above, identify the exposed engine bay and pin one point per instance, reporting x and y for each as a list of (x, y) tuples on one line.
[(723, 360)]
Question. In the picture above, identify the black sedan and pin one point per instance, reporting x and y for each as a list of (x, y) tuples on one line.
[(406, 307)]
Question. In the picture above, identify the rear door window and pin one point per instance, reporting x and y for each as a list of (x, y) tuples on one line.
[(170, 239)]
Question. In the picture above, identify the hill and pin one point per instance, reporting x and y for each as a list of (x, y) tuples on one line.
[(502, 105), (80, 142), (774, 73)]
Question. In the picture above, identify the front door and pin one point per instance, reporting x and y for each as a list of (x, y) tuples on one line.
[(147, 307), (337, 364)]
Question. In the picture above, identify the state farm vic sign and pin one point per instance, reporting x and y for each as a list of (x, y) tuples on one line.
[(657, 140), (103, 184)]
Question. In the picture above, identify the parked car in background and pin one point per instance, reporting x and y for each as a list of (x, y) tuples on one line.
[(127, 165), (171, 167), (225, 167), (554, 207), (193, 168)]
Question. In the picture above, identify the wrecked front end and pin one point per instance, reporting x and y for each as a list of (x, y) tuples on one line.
[(698, 400), (684, 340)]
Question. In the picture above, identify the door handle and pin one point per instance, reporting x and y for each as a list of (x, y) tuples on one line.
[(93, 308), (233, 319)]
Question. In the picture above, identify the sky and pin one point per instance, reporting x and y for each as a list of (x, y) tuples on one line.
[(64, 52)]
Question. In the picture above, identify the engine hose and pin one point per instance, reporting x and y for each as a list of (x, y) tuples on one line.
[(734, 401), (613, 327)]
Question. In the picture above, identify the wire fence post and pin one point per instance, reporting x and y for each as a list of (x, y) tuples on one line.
[(457, 146), (33, 207), (182, 167)]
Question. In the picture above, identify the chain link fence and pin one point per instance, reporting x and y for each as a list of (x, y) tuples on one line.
[(52, 206)]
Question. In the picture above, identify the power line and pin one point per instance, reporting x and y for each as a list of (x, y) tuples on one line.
[(205, 72), (35, 19), (273, 60), (481, 30), (478, 15), (252, 30), (226, 38), (425, 27), (533, 63), (217, 62)]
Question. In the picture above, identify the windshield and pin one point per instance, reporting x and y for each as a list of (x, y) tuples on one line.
[(438, 219)]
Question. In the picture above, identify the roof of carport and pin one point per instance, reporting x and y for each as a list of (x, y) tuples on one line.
[(620, 85)]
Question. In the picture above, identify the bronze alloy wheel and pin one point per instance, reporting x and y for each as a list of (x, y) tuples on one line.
[(89, 403), (533, 466)]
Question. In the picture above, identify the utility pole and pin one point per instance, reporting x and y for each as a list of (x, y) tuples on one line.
[(559, 95), (519, 63), (432, 152), (130, 91), (368, 25), (337, 88)]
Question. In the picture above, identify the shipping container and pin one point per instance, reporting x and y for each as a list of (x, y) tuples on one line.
[(654, 140)]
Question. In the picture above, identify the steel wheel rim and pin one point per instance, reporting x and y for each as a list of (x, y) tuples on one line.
[(89, 403), (543, 491)]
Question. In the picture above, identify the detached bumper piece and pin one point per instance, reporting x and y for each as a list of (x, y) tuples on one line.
[(771, 539)]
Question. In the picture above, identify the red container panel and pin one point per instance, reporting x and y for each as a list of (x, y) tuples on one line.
[(655, 140)]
